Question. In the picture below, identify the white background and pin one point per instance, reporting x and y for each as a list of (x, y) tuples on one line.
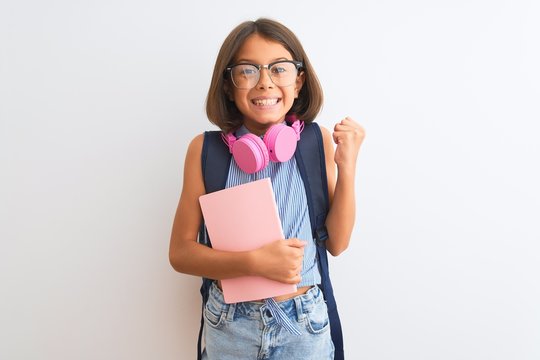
[(99, 100)]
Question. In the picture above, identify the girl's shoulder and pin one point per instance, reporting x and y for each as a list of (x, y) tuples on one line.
[(328, 144), (326, 135), (197, 140), (195, 147), (324, 130)]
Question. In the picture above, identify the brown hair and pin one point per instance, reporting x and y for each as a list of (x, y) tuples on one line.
[(223, 112)]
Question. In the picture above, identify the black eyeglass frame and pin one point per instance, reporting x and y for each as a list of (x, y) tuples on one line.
[(227, 74)]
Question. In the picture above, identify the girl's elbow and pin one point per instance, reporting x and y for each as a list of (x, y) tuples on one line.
[(336, 250), (175, 263)]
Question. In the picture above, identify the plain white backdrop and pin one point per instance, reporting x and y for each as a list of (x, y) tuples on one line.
[(99, 100)]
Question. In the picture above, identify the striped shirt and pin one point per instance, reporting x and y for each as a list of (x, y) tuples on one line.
[(291, 201)]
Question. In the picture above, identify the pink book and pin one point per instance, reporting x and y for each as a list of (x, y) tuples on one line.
[(242, 218)]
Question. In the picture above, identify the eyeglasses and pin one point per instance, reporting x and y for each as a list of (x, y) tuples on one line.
[(246, 76)]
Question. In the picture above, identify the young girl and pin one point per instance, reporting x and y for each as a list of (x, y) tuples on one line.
[(261, 77)]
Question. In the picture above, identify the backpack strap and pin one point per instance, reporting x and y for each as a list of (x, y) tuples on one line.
[(215, 162), (312, 165)]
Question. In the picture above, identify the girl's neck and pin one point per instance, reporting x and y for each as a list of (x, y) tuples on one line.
[(258, 128)]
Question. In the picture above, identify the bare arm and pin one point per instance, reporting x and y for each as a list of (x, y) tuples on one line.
[(348, 136), (279, 260)]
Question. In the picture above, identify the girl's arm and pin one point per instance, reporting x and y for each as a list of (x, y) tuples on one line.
[(348, 136), (280, 260)]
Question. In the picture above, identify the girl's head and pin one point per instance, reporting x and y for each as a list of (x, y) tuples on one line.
[(261, 102)]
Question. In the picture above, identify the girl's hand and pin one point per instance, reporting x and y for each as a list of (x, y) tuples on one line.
[(280, 260), (348, 135)]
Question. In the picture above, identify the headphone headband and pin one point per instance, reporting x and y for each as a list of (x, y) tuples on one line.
[(278, 145)]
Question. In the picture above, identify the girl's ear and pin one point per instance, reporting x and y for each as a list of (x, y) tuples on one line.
[(298, 84)]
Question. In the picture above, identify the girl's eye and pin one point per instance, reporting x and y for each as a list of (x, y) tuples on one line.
[(247, 70), (277, 69)]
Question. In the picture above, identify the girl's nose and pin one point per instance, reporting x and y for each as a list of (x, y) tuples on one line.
[(265, 81)]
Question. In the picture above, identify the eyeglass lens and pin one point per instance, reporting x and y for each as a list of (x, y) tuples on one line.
[(246, 76)]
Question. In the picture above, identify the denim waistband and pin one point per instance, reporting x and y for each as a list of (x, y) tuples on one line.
[(269, 311)]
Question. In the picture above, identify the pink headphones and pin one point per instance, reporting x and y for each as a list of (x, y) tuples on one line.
[(278, 144)]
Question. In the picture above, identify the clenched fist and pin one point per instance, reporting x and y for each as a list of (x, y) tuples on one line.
[(348, 135)]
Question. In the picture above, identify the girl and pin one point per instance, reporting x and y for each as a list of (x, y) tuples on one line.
[(262, 75)]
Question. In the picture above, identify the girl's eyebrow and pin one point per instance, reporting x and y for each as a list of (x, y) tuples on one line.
[(253, 62)]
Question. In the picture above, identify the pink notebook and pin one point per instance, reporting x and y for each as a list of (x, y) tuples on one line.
[(241, 218)]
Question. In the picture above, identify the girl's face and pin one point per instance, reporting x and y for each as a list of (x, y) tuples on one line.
[(265, 104)]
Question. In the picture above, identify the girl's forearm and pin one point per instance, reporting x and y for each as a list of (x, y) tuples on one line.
[(196, 259), (342, 214)]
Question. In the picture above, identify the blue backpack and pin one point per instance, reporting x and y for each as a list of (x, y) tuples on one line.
[(309, 155)]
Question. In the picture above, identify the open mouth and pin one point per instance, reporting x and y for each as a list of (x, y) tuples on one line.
[(265, 102)]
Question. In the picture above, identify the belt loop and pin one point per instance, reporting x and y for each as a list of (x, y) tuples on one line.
[(299, 308), (230, 311)]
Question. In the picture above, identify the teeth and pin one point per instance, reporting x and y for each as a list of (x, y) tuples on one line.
[(265, 102)]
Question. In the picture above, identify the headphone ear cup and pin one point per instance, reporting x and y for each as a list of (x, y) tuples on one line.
[(250, 153), (280, 140)]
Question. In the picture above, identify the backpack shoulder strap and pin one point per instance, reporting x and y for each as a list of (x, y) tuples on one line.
[(312, 165), (215, 162)]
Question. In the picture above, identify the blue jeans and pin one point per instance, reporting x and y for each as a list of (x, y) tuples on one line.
[(247, 330)]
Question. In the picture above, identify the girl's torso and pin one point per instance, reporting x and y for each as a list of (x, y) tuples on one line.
[(292, 207)]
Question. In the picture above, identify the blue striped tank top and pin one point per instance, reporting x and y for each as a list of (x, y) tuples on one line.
[(291, 201)]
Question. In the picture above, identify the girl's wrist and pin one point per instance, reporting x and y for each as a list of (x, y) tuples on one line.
[(346, 170), (250, 261)]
